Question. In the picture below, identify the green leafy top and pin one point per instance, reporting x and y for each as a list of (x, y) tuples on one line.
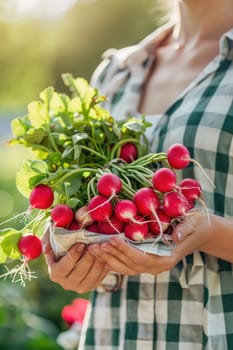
[(73, 140), (68, 133)]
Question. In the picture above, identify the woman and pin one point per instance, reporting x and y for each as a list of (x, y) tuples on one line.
[(183, 76)]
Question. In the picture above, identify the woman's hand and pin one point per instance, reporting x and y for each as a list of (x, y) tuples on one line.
[(194, 232), (212, 235), (78, 270), (84, 268), (127, 260)]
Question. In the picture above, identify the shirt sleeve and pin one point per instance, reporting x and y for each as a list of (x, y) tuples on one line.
[(99, 74)]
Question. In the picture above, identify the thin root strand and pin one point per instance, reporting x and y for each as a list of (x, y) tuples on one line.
[(19, 274)]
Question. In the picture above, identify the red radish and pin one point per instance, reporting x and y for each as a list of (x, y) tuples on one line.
[(191, 205), (125, 210), (92, 227), (175, 204), (30, 246), (100, 209), (74, 225), (146, 201), (83, 217), (128, 152), (137, 231), (76, 311), (190, 188), (113, 225), (109, 184), (155, 226), (164, 180), (178, 156), (41, 197), (62, 215)]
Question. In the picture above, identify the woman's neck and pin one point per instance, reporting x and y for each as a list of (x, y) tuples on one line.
[(200, 20)]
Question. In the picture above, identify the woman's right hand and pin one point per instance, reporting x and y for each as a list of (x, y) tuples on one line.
[(78, 270)]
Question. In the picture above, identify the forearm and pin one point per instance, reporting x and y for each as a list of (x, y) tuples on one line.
[(213, 236), (220, 238)]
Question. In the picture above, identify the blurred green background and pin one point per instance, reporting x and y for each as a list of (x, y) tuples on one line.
[(40, 40)]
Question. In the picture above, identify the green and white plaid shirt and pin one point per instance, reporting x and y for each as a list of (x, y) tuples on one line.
[(191, 306)]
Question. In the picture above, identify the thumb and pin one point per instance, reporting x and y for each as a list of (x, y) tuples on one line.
[(181, 231)]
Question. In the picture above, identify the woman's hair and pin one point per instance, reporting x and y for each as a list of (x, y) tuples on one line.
[(165, 10)]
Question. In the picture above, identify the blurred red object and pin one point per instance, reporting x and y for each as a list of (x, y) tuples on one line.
[(75, 312)]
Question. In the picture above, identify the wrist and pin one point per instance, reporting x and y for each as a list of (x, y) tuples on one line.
[(208, 229), (219, 235)]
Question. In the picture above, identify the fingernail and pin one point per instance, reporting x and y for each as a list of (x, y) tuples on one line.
[(46, 249), (106, 247), (92, 249), (80, 248), (113, 242), (179, 235)]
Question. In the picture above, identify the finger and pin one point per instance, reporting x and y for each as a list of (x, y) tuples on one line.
[(187, 246), (124, 251), (96, 251), (113, 258), (87, 274), (119, 267), (182, 230), (137, 261), (82, 267), (49, 256), (63, 267), (95, 275)]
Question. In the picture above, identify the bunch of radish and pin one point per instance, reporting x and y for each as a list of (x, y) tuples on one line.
[(128, 197), (148, 211), (94, 172)]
